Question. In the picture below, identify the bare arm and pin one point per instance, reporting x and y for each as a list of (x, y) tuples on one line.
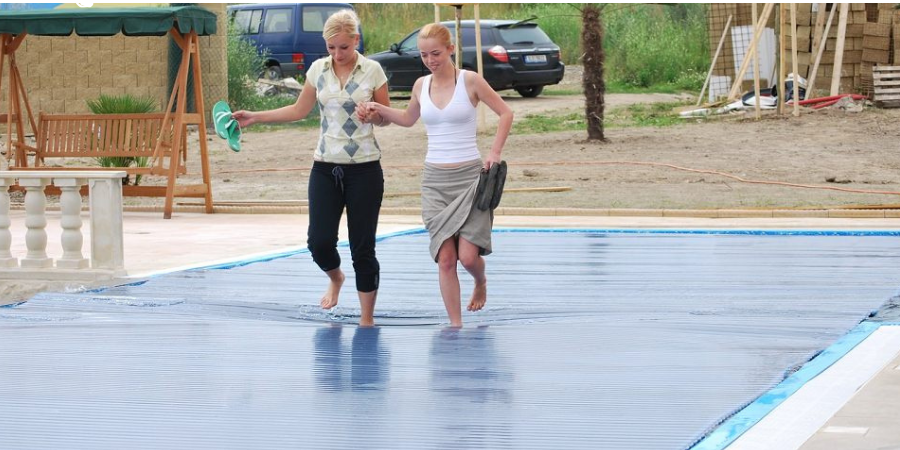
[(484, 93), (404, 118), (381, 97), (299, 110)]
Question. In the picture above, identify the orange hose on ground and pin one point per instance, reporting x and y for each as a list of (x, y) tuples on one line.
[(625, 163), (714, 172)]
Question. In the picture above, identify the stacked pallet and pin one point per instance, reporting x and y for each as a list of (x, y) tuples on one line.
[(886, 79), (806, 22), (871, 37), (886, 88), (853, 49), (876, 51), (896, 19)]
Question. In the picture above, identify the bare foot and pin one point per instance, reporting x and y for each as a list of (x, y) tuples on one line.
[(330, 299), (479, 296)]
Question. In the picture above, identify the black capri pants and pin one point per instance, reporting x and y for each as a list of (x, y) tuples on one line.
[(359, 187)]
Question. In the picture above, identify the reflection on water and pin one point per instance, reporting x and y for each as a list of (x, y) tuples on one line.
[(364, 366), (369, 361), (474, 385)]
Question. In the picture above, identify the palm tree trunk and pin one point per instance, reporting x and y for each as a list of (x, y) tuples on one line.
[(594, 86)]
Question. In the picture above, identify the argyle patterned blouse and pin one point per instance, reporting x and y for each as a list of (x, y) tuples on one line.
[(344, 139)]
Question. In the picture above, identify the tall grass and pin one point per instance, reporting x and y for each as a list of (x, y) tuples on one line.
[(384, 24), (652, 44), (562, 22), (646, 45)]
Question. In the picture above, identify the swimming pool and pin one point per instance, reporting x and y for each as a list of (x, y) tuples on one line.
[(590, 339)]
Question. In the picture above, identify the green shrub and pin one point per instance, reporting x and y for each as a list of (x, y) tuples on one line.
[(245, 64), (244, 67), (123, 104)]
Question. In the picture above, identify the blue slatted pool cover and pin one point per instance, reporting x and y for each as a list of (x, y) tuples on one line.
[(593, 339)]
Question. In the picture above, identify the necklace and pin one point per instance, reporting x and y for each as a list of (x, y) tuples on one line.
[(343, 79), (455, 77)]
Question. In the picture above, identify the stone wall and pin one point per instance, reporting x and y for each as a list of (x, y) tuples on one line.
[(61, 73)]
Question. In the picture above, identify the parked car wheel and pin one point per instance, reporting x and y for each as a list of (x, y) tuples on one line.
[(530, 91), (273, 73)]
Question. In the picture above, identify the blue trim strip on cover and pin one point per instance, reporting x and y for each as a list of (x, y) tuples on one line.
[(748, 416)]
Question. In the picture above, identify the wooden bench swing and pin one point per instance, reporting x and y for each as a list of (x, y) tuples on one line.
[(160, 137)]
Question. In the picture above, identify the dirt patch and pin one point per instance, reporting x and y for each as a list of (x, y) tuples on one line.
[(832, 149), (827, 148)]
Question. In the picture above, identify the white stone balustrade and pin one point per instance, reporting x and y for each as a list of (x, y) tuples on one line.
[(107, 241)]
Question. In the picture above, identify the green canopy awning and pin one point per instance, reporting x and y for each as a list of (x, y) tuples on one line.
[(149, 21)]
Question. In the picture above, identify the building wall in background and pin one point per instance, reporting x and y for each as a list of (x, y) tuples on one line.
[(61, 73)]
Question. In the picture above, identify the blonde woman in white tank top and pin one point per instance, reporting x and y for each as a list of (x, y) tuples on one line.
[(446, 101)]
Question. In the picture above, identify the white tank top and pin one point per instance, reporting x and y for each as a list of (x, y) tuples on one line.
[(451, 131)]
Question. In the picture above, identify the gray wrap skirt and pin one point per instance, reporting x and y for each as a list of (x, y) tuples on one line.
[(448, 206)]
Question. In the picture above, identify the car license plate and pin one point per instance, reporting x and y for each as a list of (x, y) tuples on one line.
[(535, 59)]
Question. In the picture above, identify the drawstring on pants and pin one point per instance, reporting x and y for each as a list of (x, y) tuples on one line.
[(338, 174)]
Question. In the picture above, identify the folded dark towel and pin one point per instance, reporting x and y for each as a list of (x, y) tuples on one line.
[(490, 187)]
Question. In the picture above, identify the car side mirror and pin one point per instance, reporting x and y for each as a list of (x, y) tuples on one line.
[(395, 48)]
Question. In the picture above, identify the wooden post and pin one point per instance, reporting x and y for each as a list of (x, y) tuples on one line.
[(181, 86), (199, 105), (757, 34), (437, 13), (12, 104), (16, 107), (4, 39), (820, 24), (712, 65), (478, 57), (158, 152), (780, 81), (757, 106), (479, 63), (15, 72), (794, 64), (810, 86), (839, 51), (458, 42), (15, 83), (8, 47)]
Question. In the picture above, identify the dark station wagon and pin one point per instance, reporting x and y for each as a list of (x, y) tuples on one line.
[(515, 55)]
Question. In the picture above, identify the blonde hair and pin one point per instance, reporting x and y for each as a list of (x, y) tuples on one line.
[(436, 31), (343, 21)]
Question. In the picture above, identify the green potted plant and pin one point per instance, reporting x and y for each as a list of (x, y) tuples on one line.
[(123, 104)]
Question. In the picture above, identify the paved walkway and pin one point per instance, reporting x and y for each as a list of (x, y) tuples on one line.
[(153, 245)]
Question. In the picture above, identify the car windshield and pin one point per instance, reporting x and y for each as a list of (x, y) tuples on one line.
[(411, 43), (314, 17), (528, 34)]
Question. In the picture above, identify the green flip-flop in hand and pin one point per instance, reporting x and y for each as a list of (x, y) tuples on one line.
[(226, 127)]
